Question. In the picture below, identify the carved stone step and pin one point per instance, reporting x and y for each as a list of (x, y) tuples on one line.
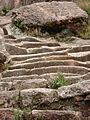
[(9, 114), (14, 50), (15, 72), (82, 56), (23, 84), (48, 63), (37, 44), (24, 57), (44, 49), (82, 48), (46, 58), (55, 115), (62, 69), (33, 98), (42, 70), (35, 76)]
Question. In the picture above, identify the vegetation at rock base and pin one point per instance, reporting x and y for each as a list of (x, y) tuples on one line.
[(58, 81), (20, 24), (85, 33), (70, 27), (61, 36), (18, 113)]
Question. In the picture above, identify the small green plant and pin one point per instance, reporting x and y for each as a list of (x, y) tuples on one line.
[(18, 114), (58, 81), (20, 24)]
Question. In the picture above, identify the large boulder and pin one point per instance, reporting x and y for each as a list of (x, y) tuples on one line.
[(50, 16)]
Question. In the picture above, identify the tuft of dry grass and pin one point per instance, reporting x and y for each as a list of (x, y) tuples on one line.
[(84, 4)]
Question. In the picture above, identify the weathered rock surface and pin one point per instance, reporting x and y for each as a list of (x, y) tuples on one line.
[(6, 113), (4, 20), (75, 89), (25, 85), (50, 15)]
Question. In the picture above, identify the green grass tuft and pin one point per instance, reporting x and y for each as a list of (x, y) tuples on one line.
[(58, 81), (20, 24), (18, 113)]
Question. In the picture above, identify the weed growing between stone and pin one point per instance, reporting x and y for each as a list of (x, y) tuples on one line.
[(58, 81), (20, 24), (18, 113)]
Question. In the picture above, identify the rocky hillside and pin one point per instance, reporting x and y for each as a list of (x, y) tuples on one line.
[(41, 78)]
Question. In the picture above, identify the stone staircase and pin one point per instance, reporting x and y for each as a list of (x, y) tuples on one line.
[(25, 92)]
